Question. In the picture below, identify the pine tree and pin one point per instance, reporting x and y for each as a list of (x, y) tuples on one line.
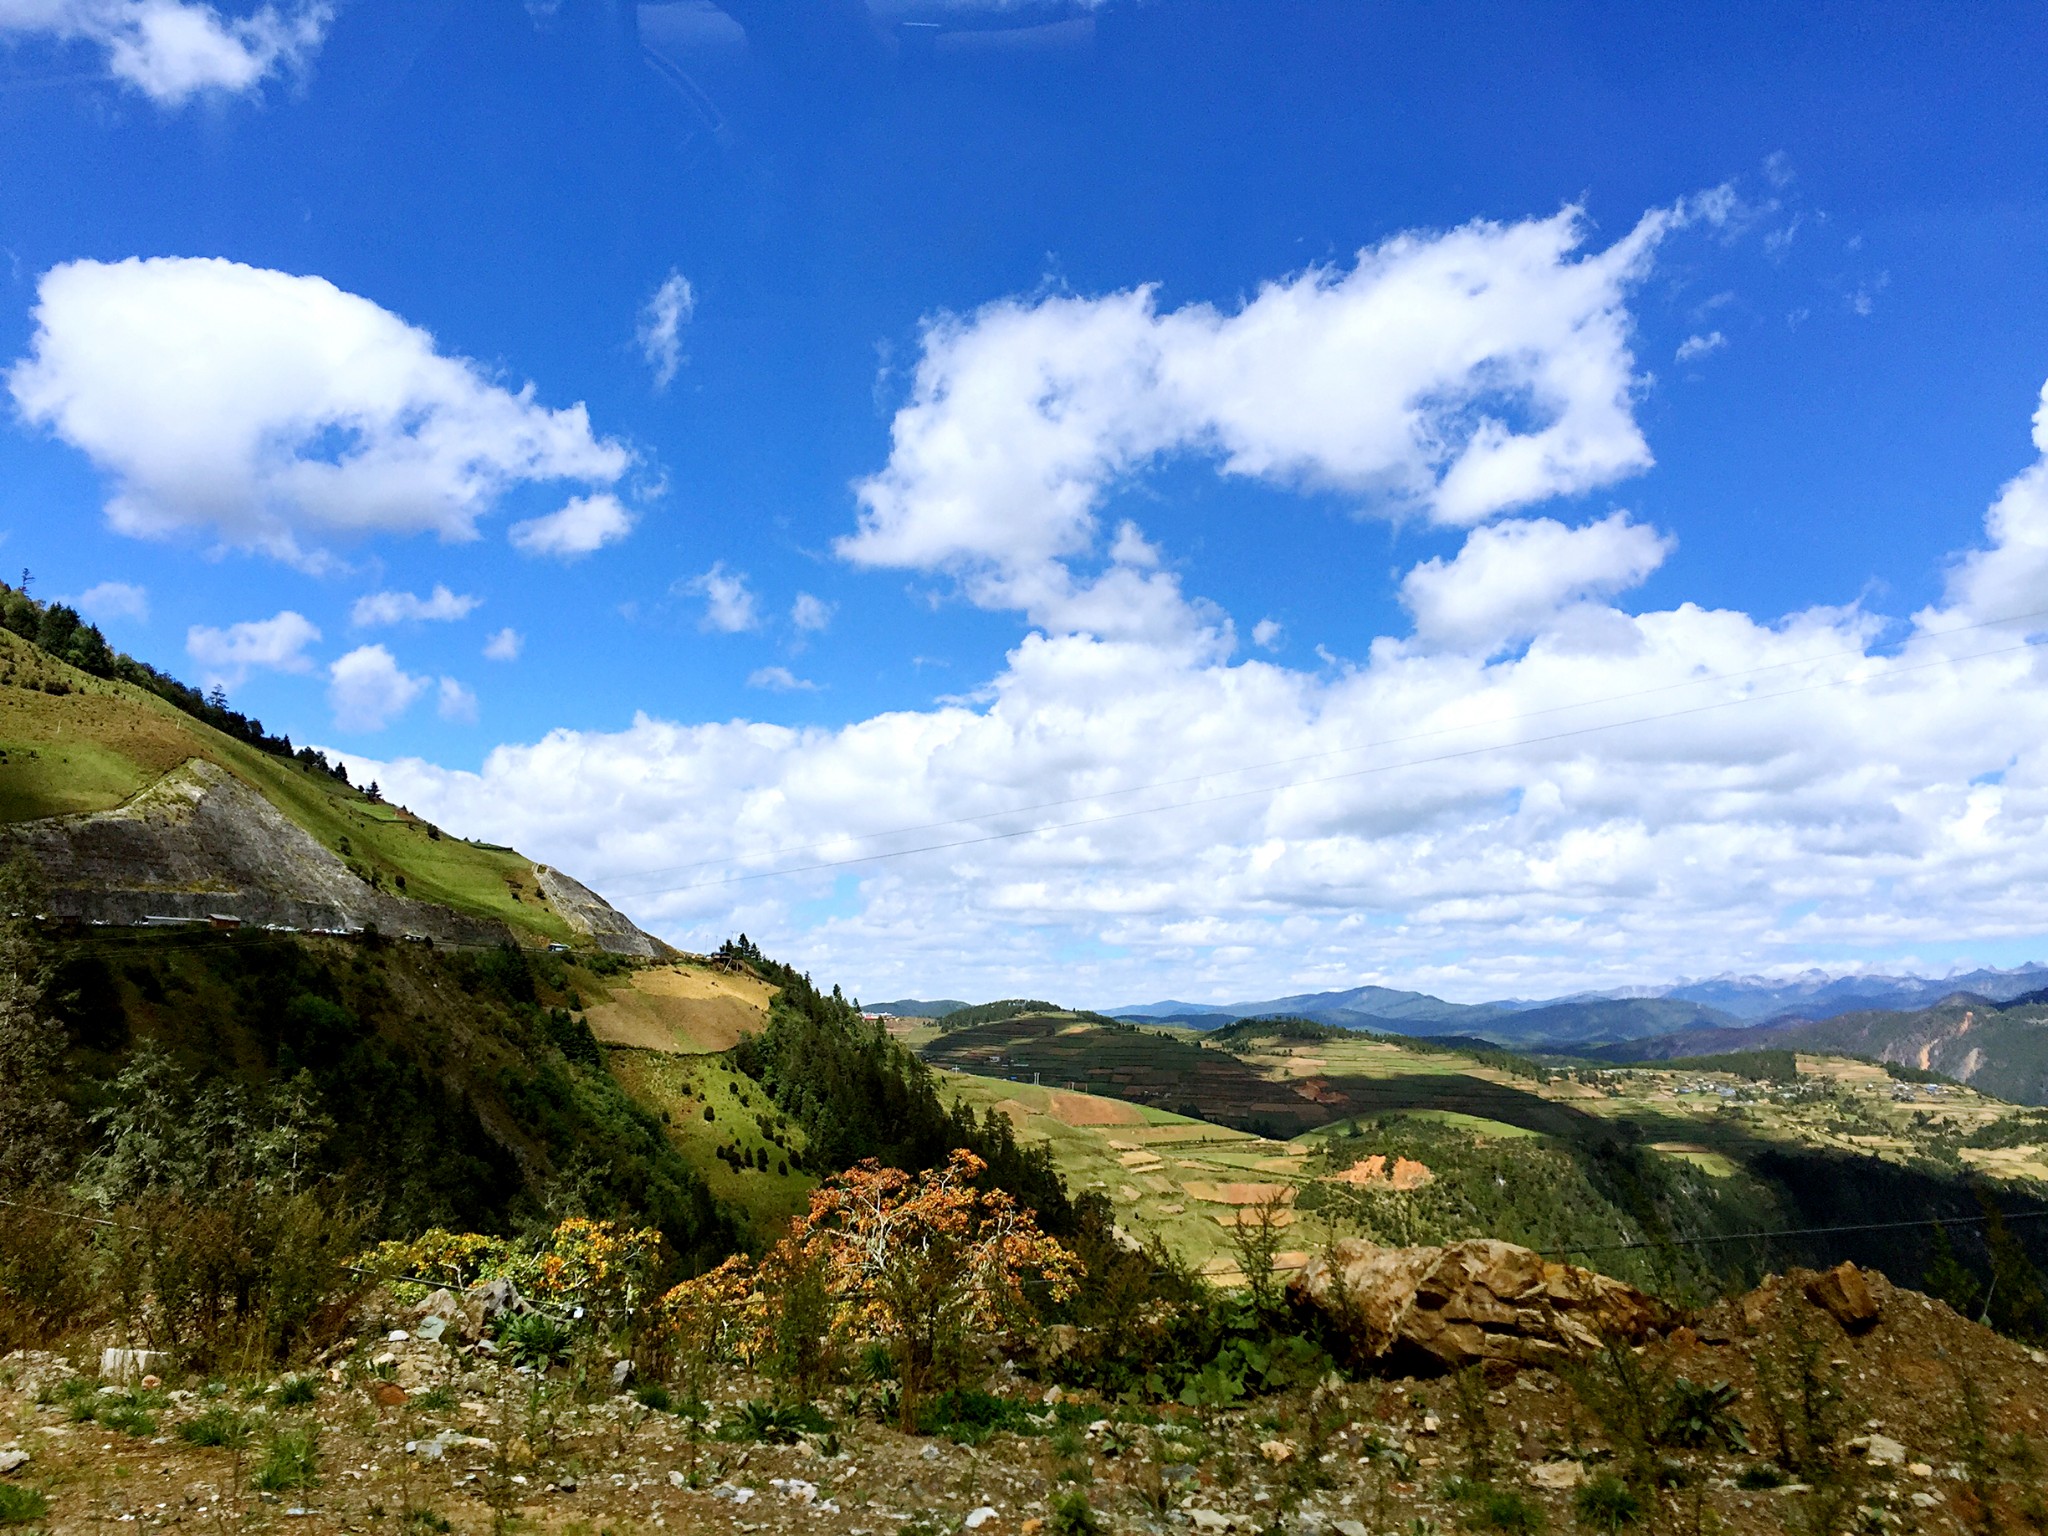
[(33, 1119), (1949, 1279)]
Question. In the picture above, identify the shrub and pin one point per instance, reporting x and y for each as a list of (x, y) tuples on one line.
[(934, 1262), (292, 1460), (22, 1506), (1607, 1504), (655, 1395), (46, 1277)]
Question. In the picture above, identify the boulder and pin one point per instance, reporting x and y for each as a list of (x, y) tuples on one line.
[(487, 1301), (1428, 1310), (1845, 1295)]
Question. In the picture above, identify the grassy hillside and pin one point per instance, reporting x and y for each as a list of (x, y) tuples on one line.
[(72, 742)]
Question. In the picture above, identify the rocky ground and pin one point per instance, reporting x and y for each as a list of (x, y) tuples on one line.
[(1920, 1421)]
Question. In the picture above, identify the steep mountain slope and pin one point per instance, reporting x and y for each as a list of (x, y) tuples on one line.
[(135, 808)]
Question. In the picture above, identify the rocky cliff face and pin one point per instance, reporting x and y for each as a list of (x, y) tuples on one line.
[(597, 919), (198, 843)]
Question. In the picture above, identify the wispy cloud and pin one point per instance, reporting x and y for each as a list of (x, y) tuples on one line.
[(729, 607), (779, 680), (375, 609), (661, 326)]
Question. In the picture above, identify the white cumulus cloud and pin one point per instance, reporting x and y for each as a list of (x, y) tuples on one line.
[(1629, 797), (661, 327), (275, 412), (367, 689), (505, 645), (729, 606), (1698, 346), (1512, 577), (1461, 373), (582, 526), (173, 50), (228, 655), (114, 600), (374, 609)]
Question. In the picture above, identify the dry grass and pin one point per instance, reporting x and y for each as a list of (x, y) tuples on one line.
[(682, 1009)]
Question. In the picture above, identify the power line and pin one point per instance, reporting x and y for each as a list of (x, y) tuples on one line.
[(1108, 817), (1391, 741), (1742, 1237)]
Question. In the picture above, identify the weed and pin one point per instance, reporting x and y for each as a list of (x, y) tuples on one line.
[(419, 1520), (1760, 1476), (298, 1391), (1608, 1504), (435, 1400), (291, 1460), (969, 1416), (774, 1423), (21, 1506), (1803, 1403), (655, 1395), (128, 1415), (877, 1362), (1475, 1425), (1072, 1516), (534, 1339), (1696, 1417), (1507, 1509), (1629, 1401), (218, 1426)]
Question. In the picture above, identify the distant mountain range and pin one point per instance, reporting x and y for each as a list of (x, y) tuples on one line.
[(1713, 1009)]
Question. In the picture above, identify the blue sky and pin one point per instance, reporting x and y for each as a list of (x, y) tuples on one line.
[(783, 612)]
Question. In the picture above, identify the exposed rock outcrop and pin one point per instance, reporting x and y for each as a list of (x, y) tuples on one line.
[(199, 843), (1425, 1310), (597, 919)]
